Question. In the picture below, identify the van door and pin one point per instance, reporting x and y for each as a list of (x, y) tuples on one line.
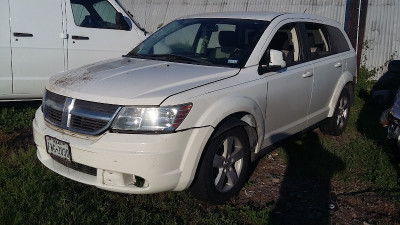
[(97, 31), (37, 44), (5, 50)]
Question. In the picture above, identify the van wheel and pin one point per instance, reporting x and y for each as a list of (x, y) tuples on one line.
[(338, 122), (224, 168)]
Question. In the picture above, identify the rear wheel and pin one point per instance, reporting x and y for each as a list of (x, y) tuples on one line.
[(336, 124), (224, 168)]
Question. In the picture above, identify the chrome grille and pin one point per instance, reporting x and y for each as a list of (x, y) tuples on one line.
[(76, 166), (87, 124), (55, 105), (54, 115), (78, 115)]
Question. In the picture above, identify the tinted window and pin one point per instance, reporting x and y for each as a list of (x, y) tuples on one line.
[(318, 40), (286, 40), (79, 12), (179, 42), (339, 42), (97, 14), (221, 42)]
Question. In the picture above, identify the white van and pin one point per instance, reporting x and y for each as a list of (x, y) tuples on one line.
[(43, 37)]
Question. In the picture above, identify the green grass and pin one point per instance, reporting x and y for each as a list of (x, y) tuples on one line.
[(31, 193), (362, 155)]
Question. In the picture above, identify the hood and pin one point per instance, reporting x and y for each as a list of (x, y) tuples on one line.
[(131, 81)]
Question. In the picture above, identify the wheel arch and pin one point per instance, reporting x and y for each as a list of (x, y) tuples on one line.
[(235, 120), (345, 79), (239, 119), (223, 116)]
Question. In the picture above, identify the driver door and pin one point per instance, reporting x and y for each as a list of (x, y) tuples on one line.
[(95, 33), (288, 89)]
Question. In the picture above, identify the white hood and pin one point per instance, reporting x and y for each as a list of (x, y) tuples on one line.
[(131, 81)]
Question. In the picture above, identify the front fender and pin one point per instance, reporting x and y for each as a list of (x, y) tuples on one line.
[(213, 116), (227, 106)]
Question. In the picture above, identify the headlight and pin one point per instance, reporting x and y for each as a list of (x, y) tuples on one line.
[(151, 119)]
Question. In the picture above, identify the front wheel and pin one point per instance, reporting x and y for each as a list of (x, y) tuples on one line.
[(224, 168), (338, 122)]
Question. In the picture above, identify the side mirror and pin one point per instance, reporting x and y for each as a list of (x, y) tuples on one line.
[(121, 22), (271, 61)]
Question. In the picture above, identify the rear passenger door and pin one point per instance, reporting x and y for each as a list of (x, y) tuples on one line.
[(325, 54)]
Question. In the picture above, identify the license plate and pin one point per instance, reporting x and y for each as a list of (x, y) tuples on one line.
[(58, 148)]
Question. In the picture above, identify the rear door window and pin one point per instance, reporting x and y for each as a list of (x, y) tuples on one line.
[(318, 40)]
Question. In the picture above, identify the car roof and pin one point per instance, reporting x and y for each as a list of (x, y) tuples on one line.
[(267, 16), (238, 15)]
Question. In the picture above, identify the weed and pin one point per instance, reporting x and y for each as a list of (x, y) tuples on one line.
[(12, 119)]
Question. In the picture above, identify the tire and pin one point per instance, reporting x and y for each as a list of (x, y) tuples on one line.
[(224, 168), (336, 124)]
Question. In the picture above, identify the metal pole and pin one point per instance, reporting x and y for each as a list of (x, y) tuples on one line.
[(358, 25)]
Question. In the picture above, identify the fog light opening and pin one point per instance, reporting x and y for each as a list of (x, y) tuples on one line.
[(140, 182)]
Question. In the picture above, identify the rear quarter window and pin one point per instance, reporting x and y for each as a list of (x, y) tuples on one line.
[(339, 42)]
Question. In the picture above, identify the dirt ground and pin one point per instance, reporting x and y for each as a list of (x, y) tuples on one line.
[(295, 200)]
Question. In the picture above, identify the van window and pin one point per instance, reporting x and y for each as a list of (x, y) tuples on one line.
[(286, 39), (80, 12), (97, 14), (318, 40)]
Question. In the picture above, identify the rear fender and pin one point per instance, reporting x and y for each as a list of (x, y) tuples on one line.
[(343, 81)]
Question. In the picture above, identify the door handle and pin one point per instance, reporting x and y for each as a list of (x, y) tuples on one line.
[(308, 74), (80, 37), (337, 65), (16, 34)]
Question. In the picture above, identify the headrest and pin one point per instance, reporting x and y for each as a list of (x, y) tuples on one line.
[(280, 41), (227, 39), (311, 39)]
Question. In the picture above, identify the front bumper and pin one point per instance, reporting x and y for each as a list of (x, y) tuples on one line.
[(165, 161)]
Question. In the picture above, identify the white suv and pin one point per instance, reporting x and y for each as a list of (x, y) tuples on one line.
[(195, 103)]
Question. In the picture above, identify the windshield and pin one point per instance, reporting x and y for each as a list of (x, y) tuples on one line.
[(220, 42)]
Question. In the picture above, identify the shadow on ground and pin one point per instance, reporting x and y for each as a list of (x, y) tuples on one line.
[(21, 104), (305, 195), (368, 124)]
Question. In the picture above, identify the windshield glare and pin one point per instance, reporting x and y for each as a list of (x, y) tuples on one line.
[(220, 42)]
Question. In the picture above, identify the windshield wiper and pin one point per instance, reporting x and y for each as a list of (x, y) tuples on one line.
[(181, 57), (133, 54)]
